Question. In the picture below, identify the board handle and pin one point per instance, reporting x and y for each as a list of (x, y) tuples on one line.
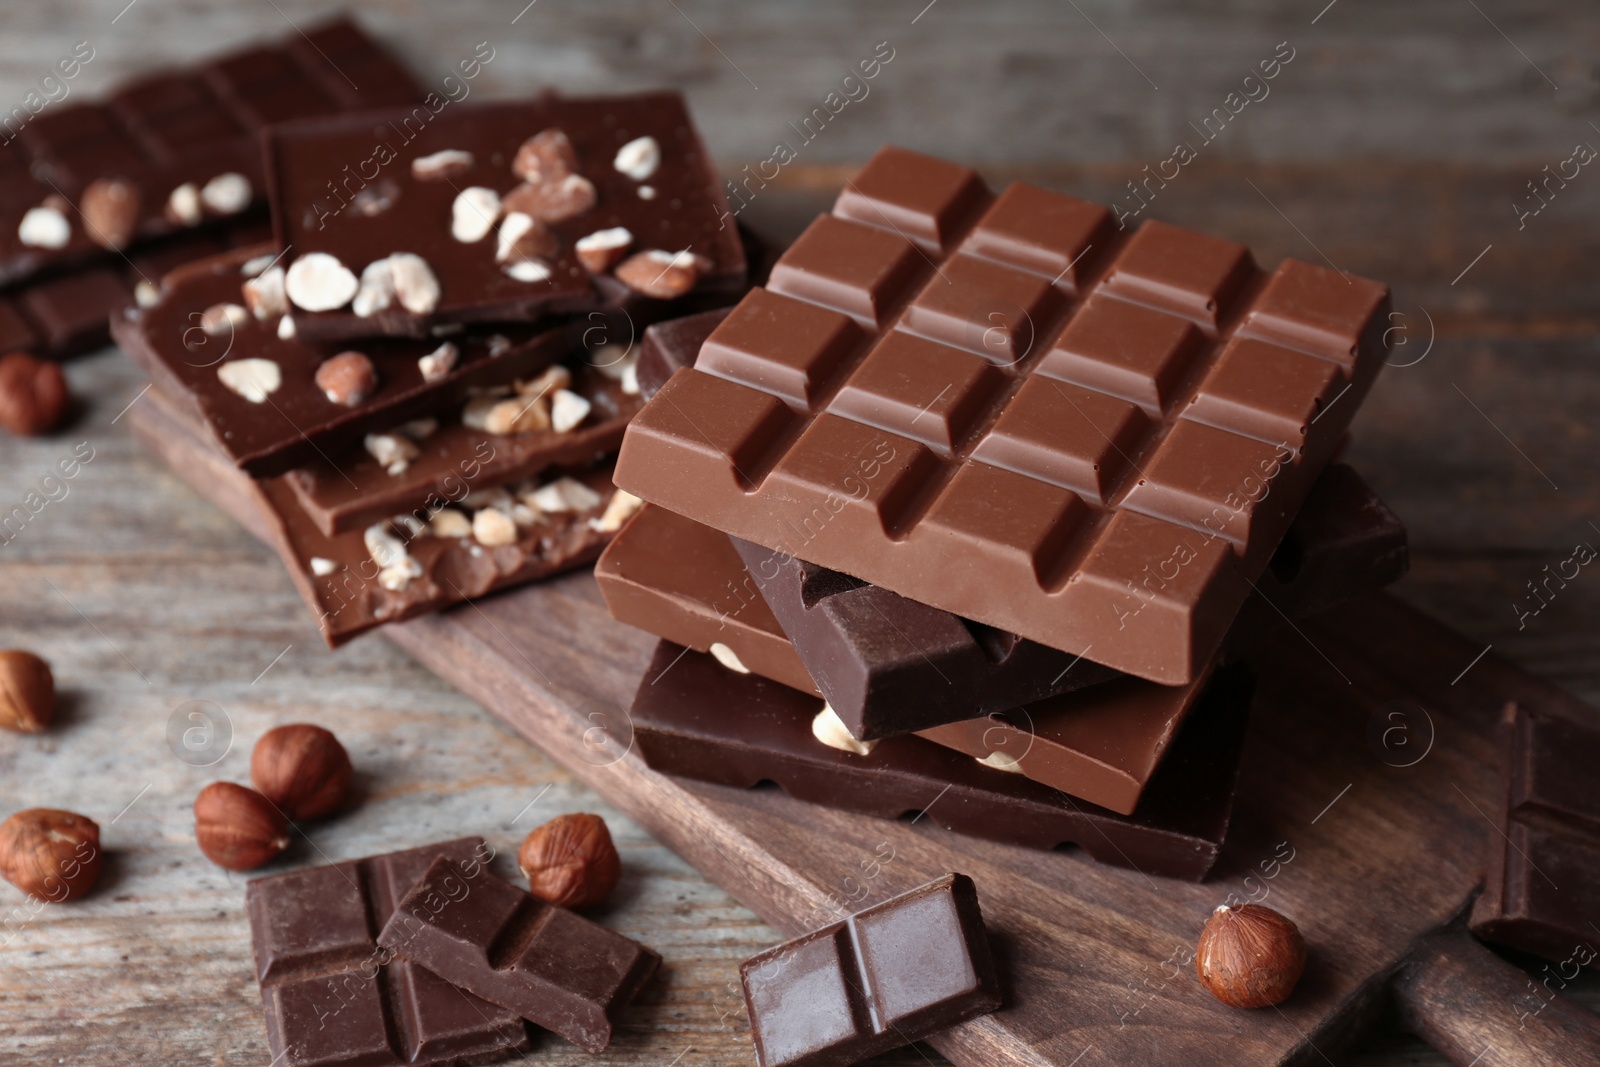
[(1477, 1009)]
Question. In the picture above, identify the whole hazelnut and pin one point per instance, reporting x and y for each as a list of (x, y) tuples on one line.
[(27, 691), (570, 861), (1250, 957), (238, 828), (50, 855), (33, 394), (301, 768), (110, 208), (347, 379)]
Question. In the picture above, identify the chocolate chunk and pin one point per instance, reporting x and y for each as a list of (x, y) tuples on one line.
[(1542, 890), (549, 965), (332, 996), (696, 719), (672, 344), (1100, 461), (473, 232), (883, 978)]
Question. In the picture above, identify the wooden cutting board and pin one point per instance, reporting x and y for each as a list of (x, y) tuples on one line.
[(1369, 780)]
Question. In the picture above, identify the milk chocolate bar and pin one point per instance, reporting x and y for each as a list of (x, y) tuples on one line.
[(1004, 408), (697, 719), (546, 964), (883, 978), (171, 151), (1542, 889), (412, 563), (890, 665), (500, 212), (254, 385), (333, 997)]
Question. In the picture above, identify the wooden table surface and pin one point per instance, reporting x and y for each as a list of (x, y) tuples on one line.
[(1395, 143)]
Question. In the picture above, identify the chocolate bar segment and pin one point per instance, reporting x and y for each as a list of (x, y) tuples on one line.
[(180, 145), (517, 210), (883, 978), (912, 401), (667, 346), (332, 996), (414, 562), (549, 965), (199, 332), (1542, 889), (888, 665), (695, 718)]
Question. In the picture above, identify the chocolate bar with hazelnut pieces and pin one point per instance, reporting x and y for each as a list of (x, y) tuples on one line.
[(450, 549), (549, 965), (172, 151), (695, 718), (1002, 407), (500, 212), (886, 976), (331, 995), (1542, 889)]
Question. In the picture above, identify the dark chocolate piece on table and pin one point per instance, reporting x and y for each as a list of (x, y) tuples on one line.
[(414, 563), (695, 718), (1542, 889), (888, 664), (936, 394), (881, 979), (614, 205), (332, 996), (549, 965), (183, 141)]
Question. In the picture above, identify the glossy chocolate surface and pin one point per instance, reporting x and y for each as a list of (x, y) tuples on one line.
[(549, 965), (885, 977), (1542, 889), (677, 207), (333, 997), (696, 719), (1100, 457)]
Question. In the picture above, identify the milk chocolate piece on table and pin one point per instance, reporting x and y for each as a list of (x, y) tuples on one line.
[(402, 567), (883, 978), (332, 996), (623, 182), (297, 423), (936, 394), (888, 664), (549, 965), (1542, 890), (184, 142), (695, 718)]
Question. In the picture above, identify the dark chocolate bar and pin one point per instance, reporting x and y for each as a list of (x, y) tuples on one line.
[(332, 996), (501, 212), (1542, 889), (254, 386), (1001, 407), (414, 562), (881, 979), (549, 965), (888, 665), (694, 718), (172, 151)]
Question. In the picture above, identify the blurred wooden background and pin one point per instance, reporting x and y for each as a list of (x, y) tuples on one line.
[(1397, 142)]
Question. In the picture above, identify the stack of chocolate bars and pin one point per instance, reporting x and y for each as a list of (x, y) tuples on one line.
[(427, 365), (967, 511)]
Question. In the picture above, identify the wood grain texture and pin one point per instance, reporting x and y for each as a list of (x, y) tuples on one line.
[(1394, 144)]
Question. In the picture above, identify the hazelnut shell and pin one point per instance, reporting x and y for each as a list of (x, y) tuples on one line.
[(238, 828), (27, 691), (1250, 957), (50, 855), (303, 769), (570, 861)]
